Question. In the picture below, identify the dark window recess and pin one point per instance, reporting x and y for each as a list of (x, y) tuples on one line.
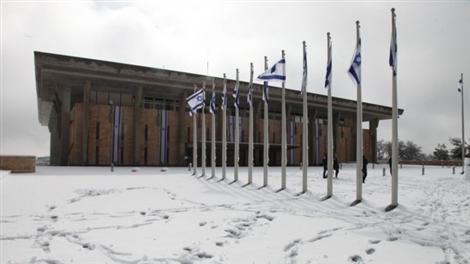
[(145, 156), (274, 137), (342, 133), (168, 143), (188, 135), (122, 155), (97, 133), (146, 133), (97, 155), (122, 132)]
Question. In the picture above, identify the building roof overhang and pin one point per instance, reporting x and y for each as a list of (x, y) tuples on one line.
[(54, 71)]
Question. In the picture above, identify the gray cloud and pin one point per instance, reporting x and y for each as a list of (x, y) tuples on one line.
[(183, 35)]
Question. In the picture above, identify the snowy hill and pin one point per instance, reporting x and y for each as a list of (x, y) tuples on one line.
[(90, 215)]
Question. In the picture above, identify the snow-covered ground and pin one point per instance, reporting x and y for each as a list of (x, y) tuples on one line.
[(90, 215)]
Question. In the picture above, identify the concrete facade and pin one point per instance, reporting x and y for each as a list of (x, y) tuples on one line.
[(97, 111)]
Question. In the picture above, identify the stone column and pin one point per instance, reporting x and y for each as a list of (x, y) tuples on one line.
[(182, 131), (137, 124), (85, 122), (353, 135), (336, 118), (312, 142), (65, 97), (373, 124)]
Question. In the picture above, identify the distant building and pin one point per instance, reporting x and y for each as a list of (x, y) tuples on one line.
[(153, 126)]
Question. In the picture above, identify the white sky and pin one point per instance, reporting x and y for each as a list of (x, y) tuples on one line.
[(433, 46)]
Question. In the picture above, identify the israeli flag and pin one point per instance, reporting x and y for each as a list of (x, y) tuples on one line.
[(276, 73), (236, 94), (460, 84), (304, 76), (355, 69), (265, 92), (392, 59), (249, 98), (329, 65), (212, 104), (195, 101), (224, 97)]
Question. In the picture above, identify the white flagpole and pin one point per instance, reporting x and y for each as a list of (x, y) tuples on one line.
[(213, 135), (224, 131), (203, 133), (195, 140), (463, 128), (283, 135), (330, 130), (250, 129), (266, 133), (394, 203), (358, 130), (304, 133), (237, 137)]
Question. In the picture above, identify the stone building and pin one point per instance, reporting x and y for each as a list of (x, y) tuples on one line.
[(99, 110)]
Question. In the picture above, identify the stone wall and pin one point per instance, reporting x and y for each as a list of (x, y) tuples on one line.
[(18, 163)]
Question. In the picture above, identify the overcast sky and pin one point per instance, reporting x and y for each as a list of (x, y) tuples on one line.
[(433, 49)]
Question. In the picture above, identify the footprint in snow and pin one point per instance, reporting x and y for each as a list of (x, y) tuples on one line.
[(374, 241), (204, 255), (291, 244), (370, 251), (356, 259), (219, 244), (392, 238)]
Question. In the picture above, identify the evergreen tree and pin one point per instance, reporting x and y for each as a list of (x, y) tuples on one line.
[(441, 152)]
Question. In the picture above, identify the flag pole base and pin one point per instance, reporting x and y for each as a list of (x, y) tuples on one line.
[(280, 190), (391, 207), (324, 198), (356, 202), (211, 177), (300, 193), (222, 179), (261, 187), (234, 181), (246, 184), (202, 176)]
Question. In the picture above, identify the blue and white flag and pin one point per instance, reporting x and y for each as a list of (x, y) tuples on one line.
[(276, 73), (329, 65), (249, 98), (304, 76), (212, 103), (392, 59), (355, 69), (236, 94), (195, 101), (224, 95), (461, 84), (265, 92)]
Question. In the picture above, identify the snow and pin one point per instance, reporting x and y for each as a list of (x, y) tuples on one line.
[(155, 215)]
